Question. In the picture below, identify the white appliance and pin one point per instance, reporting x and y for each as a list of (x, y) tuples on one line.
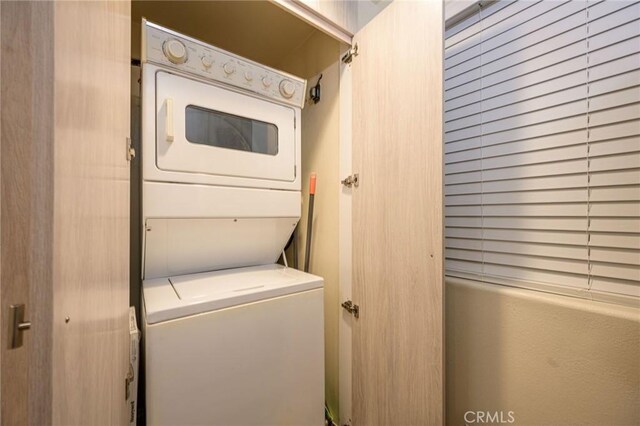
[(221, 190), (134, 362)]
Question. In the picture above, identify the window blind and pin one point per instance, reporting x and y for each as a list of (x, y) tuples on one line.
[(542, 145)]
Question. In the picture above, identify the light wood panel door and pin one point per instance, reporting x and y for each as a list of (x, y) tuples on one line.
[(397, 217), (26, 200), (64, 222), (91, 212)]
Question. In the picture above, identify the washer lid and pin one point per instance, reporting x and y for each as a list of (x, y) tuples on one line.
[(175, 297)]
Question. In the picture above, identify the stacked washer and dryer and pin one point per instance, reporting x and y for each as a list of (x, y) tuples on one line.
[(230, 336)]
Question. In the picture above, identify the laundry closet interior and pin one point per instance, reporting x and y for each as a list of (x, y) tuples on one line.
[(369, 132), (157, 157)]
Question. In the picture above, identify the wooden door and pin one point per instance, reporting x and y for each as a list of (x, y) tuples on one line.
[(397, 217), (26, 201), (91, 212), (65, 210)]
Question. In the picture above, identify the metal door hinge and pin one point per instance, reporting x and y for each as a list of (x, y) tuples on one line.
[(131, 152), (351, 53), (352, 308), (351, 180), (18, 325)]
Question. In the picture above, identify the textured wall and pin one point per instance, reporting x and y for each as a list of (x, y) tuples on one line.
[(550, 359)]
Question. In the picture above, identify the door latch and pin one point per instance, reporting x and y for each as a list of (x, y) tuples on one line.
[(352, 308), (18, 325), (351, 180)]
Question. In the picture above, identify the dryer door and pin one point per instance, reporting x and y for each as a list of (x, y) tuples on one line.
[(201, 128)]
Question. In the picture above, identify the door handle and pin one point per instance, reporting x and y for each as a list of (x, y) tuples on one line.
[(169, 121), (18, 325)]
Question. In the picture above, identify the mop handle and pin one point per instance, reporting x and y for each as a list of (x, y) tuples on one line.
[(312, 193), (312, 184)]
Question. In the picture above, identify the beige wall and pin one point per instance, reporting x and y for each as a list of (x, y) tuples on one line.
[(550, 359), (321, 154)]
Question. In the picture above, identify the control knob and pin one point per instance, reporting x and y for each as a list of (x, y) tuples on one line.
[(229, 68), (175, 51), (266, 81), (287, 88), (207, 61)]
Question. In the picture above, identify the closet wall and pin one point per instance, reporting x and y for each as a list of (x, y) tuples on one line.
[(321, 155)]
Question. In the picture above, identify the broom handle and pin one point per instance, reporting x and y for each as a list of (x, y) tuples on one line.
[(312, 193)]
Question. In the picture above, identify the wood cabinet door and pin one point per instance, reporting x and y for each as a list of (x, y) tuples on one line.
[(397, 217), (26, 200), (64, 222), (91, 212)]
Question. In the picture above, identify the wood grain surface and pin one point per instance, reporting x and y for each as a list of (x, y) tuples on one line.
[(26, 221), (397, 218), (91, 212)]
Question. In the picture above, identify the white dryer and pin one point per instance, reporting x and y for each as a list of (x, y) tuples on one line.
[(230, 337)]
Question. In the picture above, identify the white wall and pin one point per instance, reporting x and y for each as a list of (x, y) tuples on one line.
[(550, 359)]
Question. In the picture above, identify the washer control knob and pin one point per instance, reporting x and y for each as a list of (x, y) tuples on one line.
[(287, 88), (229, 68), (207, 61), (248, 75), (175, 51), (267, 81)]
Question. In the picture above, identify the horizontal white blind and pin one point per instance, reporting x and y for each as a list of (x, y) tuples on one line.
[(613, 56), (542, 145)]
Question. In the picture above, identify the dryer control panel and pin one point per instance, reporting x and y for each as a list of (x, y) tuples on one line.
[(169, 48)]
